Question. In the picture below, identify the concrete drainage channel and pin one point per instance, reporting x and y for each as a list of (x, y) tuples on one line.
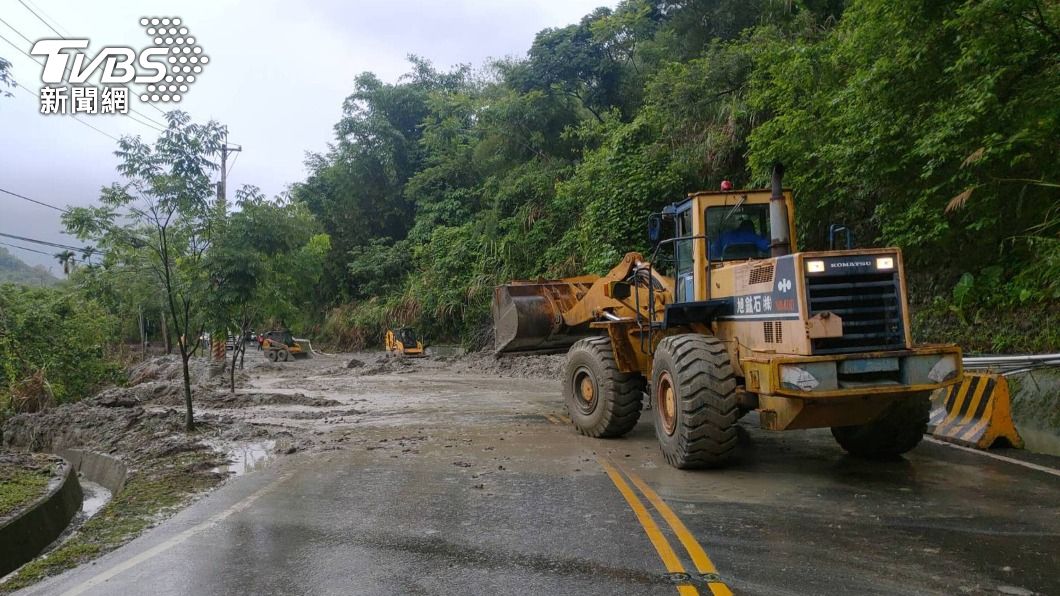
[(1036, 409), (62, 508)]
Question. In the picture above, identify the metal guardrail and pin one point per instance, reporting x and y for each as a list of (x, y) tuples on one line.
[(1010, 365)]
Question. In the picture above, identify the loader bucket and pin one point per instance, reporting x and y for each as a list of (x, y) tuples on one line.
[(528, 316), (303, 350)]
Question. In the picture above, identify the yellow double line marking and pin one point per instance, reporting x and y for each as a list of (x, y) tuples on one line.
[(666, 552), (557, 419)]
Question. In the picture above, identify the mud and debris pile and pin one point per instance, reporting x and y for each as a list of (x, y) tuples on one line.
[(121, 428), (160, 381), (388, 365), (167, 369), (530, 366), (144, 420)]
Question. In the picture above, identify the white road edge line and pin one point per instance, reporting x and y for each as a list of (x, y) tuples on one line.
[(1010, 460), (175, 540)]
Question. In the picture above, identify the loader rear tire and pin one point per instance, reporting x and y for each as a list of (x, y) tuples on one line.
[(897, 430), (693, 393), (602, 401)]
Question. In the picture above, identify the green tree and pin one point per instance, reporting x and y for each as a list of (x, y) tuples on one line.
[(266, 263), (593, 62), (55, 336), (164, 208), (6, 79), (930, 124)]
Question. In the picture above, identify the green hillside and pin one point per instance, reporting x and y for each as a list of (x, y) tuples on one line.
[(14, 270)]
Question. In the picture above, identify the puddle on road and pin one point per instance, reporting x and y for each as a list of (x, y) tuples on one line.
[(249, 457), (1040, 441)]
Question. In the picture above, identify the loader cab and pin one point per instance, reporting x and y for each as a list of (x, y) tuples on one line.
[(713, 229), (407, 337)]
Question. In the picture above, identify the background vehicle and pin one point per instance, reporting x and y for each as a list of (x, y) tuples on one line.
[(740, 323), (403, 342), (280, 346)]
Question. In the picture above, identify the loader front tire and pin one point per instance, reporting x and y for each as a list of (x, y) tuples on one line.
[(897, 430), (602, 401), (693, 393)]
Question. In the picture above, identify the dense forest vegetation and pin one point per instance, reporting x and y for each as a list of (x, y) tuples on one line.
[(933, 125), (930, 125)]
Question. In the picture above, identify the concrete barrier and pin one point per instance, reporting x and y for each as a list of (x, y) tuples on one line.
[(22, 537), (109, 472), (977, 412)]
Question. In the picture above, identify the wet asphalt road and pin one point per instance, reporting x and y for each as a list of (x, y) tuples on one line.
[(476, 485)]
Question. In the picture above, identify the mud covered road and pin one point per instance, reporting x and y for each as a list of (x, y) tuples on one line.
[(445, 477)]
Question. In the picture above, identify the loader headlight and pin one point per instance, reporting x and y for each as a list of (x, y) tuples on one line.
[(814, 266), (885, 263), (796, 377), (943, 370)]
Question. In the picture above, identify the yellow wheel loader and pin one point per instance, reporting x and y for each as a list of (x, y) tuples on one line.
[(726, 319), (403, 342)]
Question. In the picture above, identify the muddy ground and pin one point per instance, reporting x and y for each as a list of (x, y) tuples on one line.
[(143, 419), (425, 478), (277, 409), (286, 404)]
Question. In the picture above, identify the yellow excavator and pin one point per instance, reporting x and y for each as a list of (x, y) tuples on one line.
[(403, 342), (726, 319)]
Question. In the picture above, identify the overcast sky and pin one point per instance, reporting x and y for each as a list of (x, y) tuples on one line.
[(277, 76)]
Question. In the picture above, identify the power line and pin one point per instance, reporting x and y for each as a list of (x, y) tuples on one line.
[(50, 18), (94, 252), (40, 252), (66, 71), (113, 138), (147, 121), (40, 18), (41, 203), (81, 249), (17, 32)]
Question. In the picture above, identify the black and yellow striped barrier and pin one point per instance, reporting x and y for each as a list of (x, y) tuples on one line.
[(976, 412)]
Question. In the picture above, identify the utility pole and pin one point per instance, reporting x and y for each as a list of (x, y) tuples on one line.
[(165, 328), (222, 186), (143, 338)]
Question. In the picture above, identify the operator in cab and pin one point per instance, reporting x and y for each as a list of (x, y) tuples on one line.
[(742, 237)]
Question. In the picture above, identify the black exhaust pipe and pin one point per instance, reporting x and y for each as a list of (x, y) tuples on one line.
[(780, 244)]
